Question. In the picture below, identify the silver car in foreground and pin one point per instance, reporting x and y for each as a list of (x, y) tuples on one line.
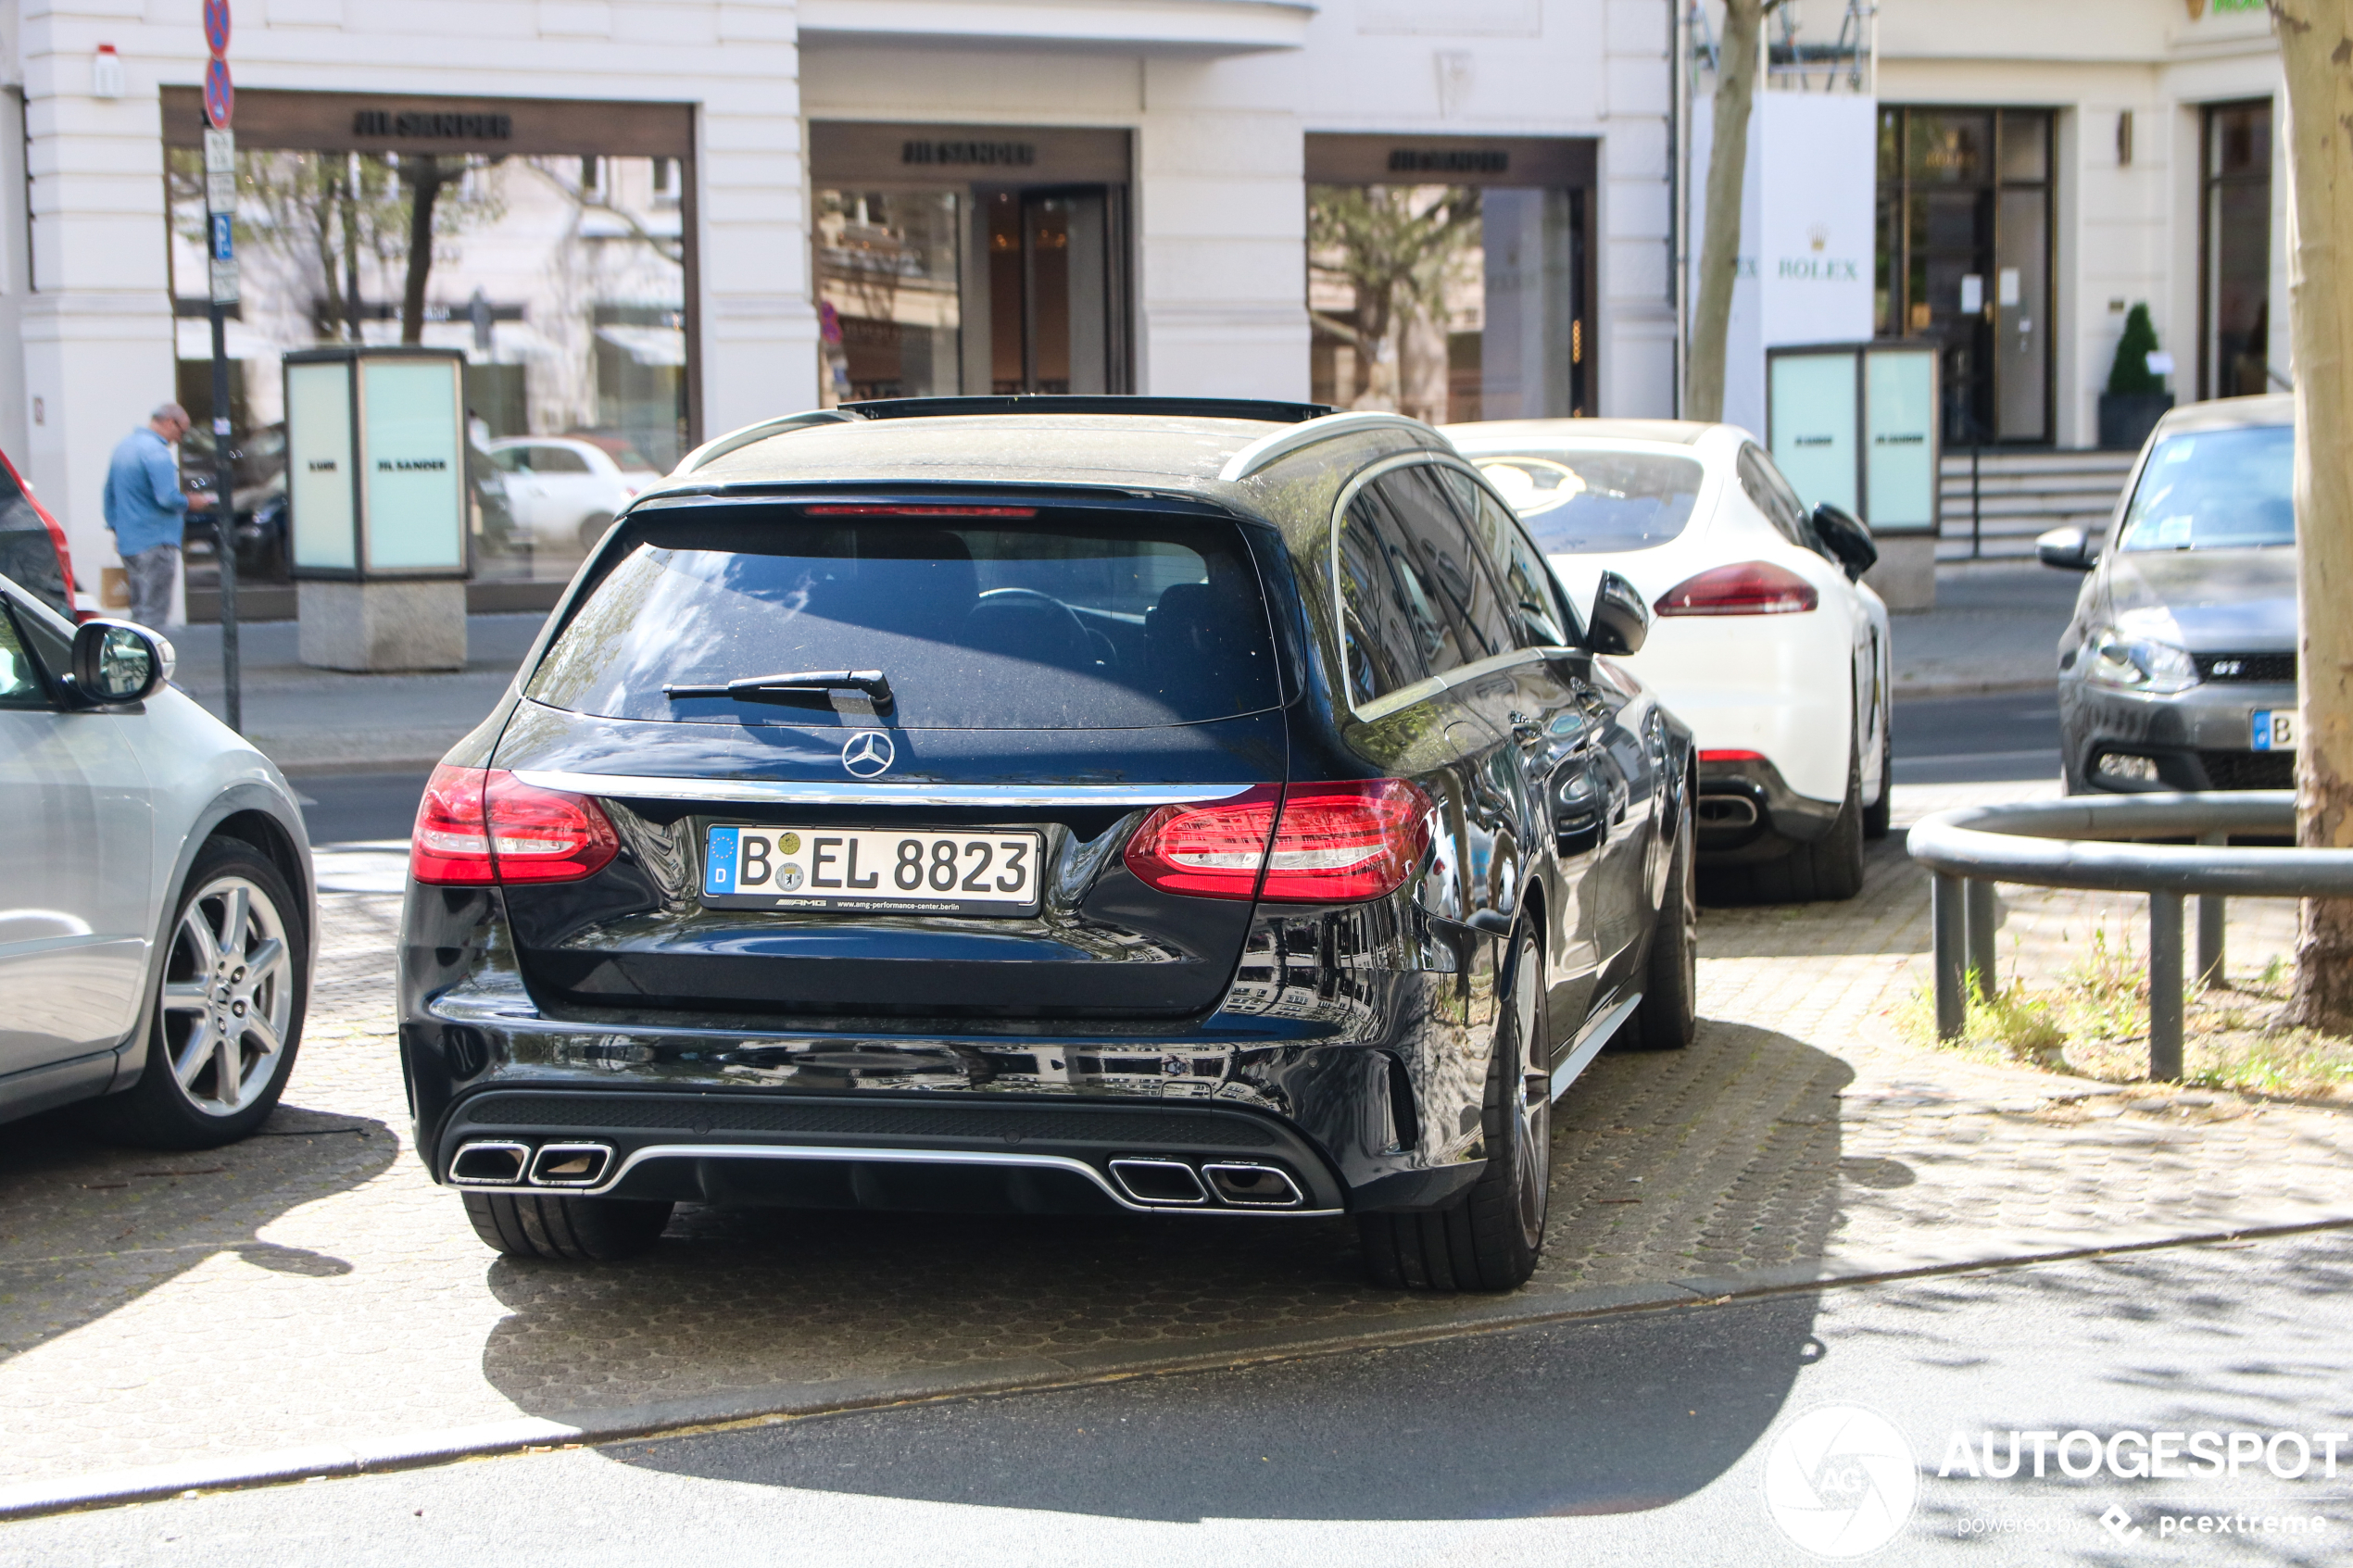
[(155, 894), (2178, 669)]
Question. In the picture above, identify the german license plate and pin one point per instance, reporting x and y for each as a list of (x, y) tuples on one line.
[(871, 869), (2275, 729)]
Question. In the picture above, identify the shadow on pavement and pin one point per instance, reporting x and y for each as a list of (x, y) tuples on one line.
[(1716, 1161), (1598, 1417), (87, 1227)]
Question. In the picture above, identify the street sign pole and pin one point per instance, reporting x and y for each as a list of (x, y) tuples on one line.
[(220, 214)]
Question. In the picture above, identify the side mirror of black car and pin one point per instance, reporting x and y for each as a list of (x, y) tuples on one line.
[(1621, 622), (116, 662), (2070, 549), (1848, 539)]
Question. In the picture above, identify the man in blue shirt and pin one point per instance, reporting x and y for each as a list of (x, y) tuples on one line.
[(147, 511)]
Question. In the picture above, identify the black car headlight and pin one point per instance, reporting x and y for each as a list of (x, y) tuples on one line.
[(2139, 664)]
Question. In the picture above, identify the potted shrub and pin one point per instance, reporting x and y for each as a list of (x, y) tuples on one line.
[(2135, 398)]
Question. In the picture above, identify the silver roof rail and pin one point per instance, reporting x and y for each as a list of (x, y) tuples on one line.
[(719, 447), (1267, 448)]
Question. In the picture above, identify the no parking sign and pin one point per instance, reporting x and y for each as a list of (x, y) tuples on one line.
[(220, 95)]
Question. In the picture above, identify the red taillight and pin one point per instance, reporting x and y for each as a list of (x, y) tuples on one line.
[(479, 826), (1208, 851), (1731, 756), (1308, 843), (1753, 587)]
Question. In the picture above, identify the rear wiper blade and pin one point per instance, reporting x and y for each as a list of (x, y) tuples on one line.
[(795, 683)]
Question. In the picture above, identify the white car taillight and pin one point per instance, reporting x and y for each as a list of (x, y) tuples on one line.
[(1752, 587)]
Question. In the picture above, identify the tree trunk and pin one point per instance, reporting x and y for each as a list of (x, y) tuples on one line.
[(424, 179), (1726, 172), (2316, 50)]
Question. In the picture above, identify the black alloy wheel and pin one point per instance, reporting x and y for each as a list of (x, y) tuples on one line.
[(1669, 1017), (1490, 1237), (565, 1229)]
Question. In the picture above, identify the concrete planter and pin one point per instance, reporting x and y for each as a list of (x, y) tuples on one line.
[(2127, 418)]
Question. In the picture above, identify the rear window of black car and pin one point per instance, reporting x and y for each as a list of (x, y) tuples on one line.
[(1035, 624)]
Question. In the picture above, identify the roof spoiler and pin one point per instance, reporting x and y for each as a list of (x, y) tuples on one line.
[(719, 447)]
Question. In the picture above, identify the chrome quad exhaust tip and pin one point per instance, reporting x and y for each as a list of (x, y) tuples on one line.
[(570, 1165), (490, 1164), (1177, 1184), (500, 1164)]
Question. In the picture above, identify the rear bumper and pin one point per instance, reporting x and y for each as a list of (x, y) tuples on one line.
[(887, 1151), (1747, 811)]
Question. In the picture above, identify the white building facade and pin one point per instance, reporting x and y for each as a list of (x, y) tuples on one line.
[(647, 221), (2045, 168)]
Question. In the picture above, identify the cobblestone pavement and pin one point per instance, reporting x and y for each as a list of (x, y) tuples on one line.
[(309, 1286)]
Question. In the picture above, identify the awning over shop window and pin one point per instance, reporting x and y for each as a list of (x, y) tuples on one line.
[(648, 346)]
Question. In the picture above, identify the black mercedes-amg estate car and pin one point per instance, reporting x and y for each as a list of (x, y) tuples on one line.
[(1050, 805)]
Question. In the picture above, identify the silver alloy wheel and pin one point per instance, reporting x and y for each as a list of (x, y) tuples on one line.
[(228, 996), (1532, 1117)]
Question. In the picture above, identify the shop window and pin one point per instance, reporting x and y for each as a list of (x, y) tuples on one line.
[(2234, 349), (563, 278), (1963, 256), (1448, 303), (890, 294)]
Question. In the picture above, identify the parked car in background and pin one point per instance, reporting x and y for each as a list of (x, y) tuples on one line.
[(563, 492), (1768, 643), (259, 464), (32, 548), (2178, 670), (155, 902), (1187, 808)]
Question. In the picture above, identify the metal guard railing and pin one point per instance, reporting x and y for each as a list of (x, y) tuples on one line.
[(2074, 843)]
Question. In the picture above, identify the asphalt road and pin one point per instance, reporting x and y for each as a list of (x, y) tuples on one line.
[(1987, 739), (1948, 740), (1656, 1437)]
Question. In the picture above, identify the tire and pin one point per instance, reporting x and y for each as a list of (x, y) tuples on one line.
[(228, 1014), (1669, 1017), (593, 529), (1880, 816), (1829, 869), (1490, 1237), (560, 1229)]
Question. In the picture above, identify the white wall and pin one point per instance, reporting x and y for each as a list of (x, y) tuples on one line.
[(2125, 233), (1219, 209), (97, 335)]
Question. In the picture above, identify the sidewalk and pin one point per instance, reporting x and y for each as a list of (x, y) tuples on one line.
[(1798, 1142), (322, 721), (1995, 629)]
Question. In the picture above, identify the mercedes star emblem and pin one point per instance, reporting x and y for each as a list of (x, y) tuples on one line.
[(868, 755)]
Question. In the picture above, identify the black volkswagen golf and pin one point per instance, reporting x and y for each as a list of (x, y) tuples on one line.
[(1050, 806)]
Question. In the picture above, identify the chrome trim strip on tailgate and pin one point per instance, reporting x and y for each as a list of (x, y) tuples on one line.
[(849, 792)]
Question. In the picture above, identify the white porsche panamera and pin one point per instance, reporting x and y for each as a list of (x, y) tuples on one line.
[(1767, 641)]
